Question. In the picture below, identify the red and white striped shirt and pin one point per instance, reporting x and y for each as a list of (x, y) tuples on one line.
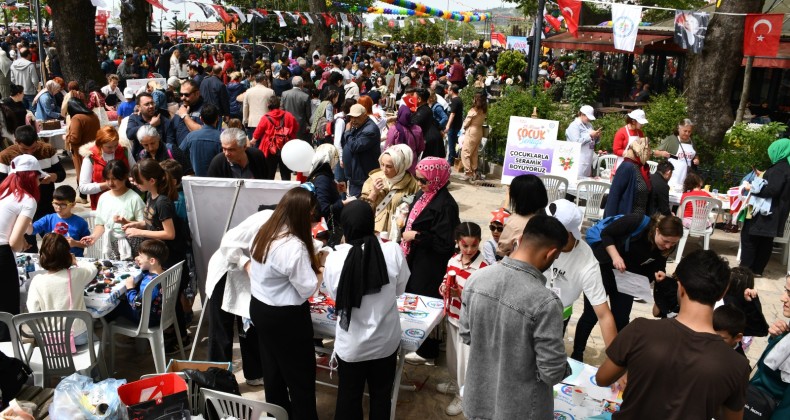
[(462, 272)]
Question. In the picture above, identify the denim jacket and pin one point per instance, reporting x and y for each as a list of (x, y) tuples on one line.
[(513, 325)]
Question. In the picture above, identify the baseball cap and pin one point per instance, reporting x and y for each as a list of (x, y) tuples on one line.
[(128, 93), (588, 111), (568, 214), (357, 110), (24, 163), (638, 115)]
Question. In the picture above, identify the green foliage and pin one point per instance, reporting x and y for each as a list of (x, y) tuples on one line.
[(179, 25), (746, 145), (511, 63), (654, 16), (664, 112), (580, 87), (610, 123)]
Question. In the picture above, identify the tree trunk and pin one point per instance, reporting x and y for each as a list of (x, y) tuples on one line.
[(133, 21), (712, 73), (321, 35), (76, 46)]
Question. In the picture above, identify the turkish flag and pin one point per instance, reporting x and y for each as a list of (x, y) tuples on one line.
[(552, 21), (761, 35), (222, 13), (571, 11), (156, 3)]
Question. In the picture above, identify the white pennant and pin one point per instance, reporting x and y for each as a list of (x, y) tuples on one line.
[(242, 16), (625, 25), (432, 20), (309, 18), (280, 18), (344, 18)]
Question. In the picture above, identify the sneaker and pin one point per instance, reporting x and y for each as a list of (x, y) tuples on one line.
[(415, 359), (255, 382), (448, 387), (455, 408)]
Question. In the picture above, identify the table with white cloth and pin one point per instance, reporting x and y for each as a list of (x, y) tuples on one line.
[(419, 315), (591, 399), (56, 137)]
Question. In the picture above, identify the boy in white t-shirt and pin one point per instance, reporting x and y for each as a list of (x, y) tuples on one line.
[(577, 270)]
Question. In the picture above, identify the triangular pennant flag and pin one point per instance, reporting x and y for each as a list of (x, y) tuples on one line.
[(156, 4), (222, 13), (432, 20), (401, 23), (242, 16), (280, 18), (302, 20), (48, 9), (189, 16), (309, 18), (258, 14), (422, 21), (344, 18), (625, 25), (571, 9), (207, 11)]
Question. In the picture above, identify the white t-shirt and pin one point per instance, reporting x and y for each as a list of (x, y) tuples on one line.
[(48, 291), (374, 331), (286, 278), (129, 205), (574, 272), (10, 209)]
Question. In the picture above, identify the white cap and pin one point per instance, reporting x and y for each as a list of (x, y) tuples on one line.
[(638, 115), (357, 110), (128, 93), (568, 214), (24, 163), (588, 112)]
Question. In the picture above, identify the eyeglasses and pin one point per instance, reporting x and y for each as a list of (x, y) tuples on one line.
[(57, 205), (494, 227), (422, 181), (185, 94)]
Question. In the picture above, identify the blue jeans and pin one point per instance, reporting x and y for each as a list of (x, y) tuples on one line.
[(452, 141), (27, 101)]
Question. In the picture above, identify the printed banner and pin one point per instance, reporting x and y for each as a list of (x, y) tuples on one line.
[(690, 28), (625, 24), (518, 43), (532, 148)]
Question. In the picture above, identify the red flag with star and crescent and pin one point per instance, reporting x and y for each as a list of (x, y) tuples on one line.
[(571, 11), (222, 13), (761, 35)]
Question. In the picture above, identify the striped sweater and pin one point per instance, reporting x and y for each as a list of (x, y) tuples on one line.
[(462, 272)]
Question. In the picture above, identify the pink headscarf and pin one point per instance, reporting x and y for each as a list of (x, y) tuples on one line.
[(437, 172)]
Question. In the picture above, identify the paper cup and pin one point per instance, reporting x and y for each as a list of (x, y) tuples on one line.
[(577, 397)]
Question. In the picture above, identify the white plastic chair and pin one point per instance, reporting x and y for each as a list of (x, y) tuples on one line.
[(229, 405), (785, 241), (556, 186), (606, 162), (169, 281), (51, 357), (592, 193), (703, 220), (97, 249), (653, 166)]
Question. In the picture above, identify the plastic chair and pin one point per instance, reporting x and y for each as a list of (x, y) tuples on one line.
[(703, 218), (556, 186), (97, 249), (785, 241), (51, 358), (653, 166), (592, 192), (11, 348), (169, 281), (229, 405), (608, 162)]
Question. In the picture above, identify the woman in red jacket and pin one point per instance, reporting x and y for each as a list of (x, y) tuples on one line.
[(96, 156), (632, 131)]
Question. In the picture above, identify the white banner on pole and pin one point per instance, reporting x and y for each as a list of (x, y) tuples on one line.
[(625, 25), (136, 84)]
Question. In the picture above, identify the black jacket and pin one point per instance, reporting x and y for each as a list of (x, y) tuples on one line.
[(361, 150), (434, 144), (220, 167), (659, 196), (213, 91), (434, 244), (778, 188)]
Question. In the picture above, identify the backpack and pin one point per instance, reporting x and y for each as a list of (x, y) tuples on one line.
[(593, 235), (279, 137), (13, 375)]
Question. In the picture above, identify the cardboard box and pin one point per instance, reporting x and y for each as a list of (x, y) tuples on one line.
[(180, 365), (161, 397)]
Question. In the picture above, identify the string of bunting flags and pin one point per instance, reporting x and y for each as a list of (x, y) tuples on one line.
[(282, 17)]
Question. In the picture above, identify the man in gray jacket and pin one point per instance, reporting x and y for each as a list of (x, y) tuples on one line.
[(513, 325), (23, 73), (297, 102)]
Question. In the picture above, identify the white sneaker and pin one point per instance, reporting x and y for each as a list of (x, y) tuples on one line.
[(448, 387), (255, 382), (415, 359), (455, 408)]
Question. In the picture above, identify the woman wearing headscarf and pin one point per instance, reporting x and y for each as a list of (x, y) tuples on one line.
[(228, 67), (44, 102), (330, 204), (631, 185), (759, 232), (364, 276), (81, 130), (5, 75), (387, 187), (407, 133), (428, 239)]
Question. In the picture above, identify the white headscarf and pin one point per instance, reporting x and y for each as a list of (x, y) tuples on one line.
[(325, 153), (5, 63), (402, 156)]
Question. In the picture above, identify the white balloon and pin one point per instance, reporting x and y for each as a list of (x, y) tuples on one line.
[(297, 155)]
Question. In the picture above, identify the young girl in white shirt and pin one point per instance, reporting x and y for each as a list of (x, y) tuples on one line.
[(60, 288)]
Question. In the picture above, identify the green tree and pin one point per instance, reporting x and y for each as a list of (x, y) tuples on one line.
[(511, 63), (581, 87), (179, 25)]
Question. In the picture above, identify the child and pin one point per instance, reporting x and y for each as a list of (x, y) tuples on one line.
[(118, 206), (743, 296), (730, 322), (176, 172), (150, 256), (126, 108), (459, 268), (63, 200), (692, 187), (496, 225), (60, 289)]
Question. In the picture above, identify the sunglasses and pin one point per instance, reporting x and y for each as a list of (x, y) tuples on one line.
[(422, 181), (185, 94), (494, 227)]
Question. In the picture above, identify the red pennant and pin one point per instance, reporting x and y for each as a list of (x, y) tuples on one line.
[(571, 11), (391, 24), (222, 13), (761, 35), (422, 21), (554, 22), (499, 37), (157, 4), (48, 9)]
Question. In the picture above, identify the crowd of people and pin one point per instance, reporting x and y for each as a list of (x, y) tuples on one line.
[(376, 219)]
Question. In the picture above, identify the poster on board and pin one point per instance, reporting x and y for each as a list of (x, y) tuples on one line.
[(136, 84), (518, 43), (532, 148)]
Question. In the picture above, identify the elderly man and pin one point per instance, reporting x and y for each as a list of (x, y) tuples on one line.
[(256, 103), (154, 148), (297, 102), (148, 115), (238, 160), (213, 91), (361, 148), (187, 117)]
